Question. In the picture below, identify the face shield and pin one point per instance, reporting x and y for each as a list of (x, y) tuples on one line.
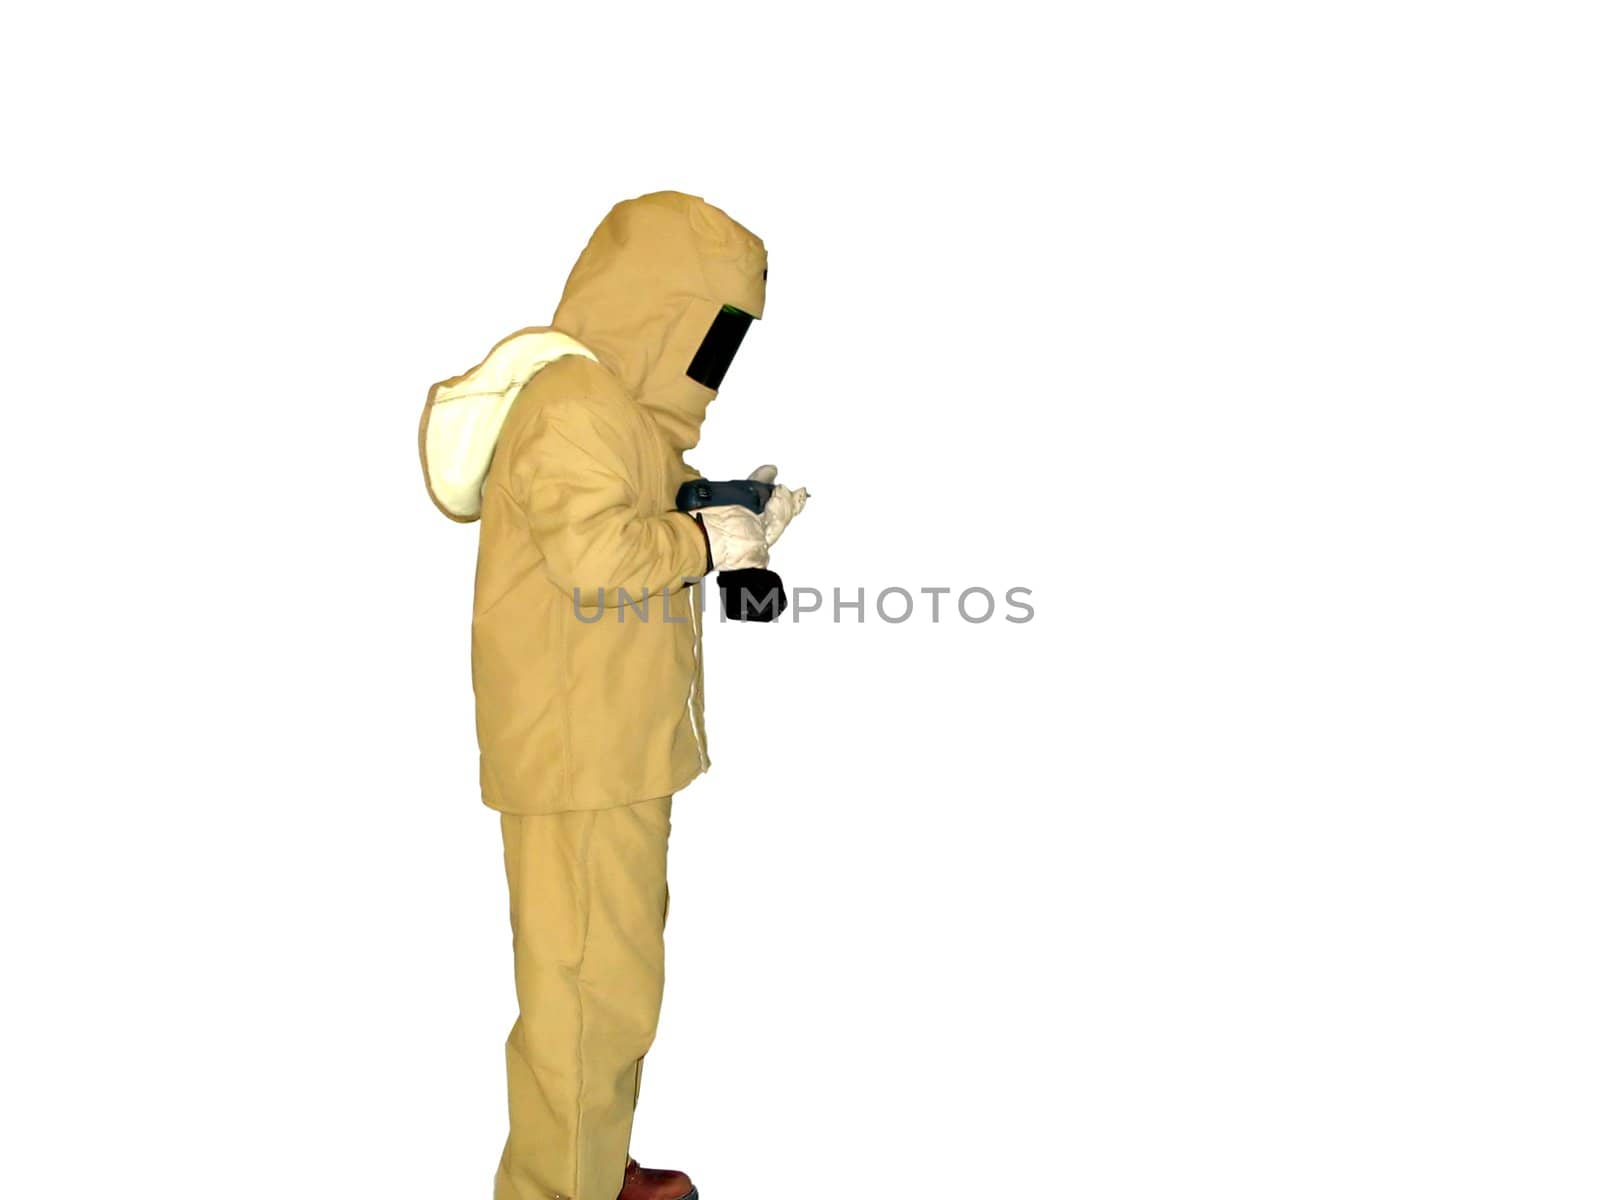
[(721, 343)]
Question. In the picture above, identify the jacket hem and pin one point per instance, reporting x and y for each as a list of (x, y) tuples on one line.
[(572, 804)]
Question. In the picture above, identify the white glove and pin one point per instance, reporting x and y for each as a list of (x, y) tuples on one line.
[(784, 506), (738, 539)]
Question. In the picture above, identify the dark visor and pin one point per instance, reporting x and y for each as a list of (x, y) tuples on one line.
[(717, 350)]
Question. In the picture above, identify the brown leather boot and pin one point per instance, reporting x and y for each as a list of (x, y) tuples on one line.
[(641, 1183)]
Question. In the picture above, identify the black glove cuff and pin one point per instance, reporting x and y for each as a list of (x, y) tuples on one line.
[(752, 594)]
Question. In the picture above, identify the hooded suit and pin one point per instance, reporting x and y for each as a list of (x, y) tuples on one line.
[(567, 442), (578, 522)]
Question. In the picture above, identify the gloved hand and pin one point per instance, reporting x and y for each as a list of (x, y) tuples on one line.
[(784, 506), (738, 538)]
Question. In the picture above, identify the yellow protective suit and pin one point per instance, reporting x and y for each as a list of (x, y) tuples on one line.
[(578, 519), (568, 443)]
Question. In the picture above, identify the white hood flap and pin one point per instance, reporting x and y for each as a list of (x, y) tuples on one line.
[(462, 418)]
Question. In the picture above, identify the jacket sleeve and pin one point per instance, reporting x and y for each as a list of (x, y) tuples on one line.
[(582, 512)]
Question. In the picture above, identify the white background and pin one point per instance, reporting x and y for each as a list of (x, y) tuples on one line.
[(1258, 340)]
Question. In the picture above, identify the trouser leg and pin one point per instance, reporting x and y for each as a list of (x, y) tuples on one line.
[(588, 906)]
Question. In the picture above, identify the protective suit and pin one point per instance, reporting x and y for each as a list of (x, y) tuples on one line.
[(567, 442)]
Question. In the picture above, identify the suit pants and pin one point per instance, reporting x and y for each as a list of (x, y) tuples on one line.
[(588, 909)]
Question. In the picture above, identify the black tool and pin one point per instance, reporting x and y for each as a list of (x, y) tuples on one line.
[(702, 493)]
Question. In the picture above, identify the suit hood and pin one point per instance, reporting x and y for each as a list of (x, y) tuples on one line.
[(463, 415), (644, 294)]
